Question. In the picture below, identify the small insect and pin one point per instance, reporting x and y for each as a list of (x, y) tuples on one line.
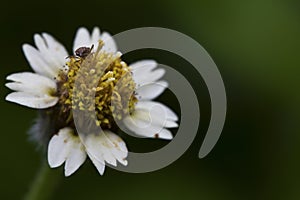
[(82, 52)]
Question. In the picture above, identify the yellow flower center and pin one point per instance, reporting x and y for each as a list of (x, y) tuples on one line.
[(100, 83)]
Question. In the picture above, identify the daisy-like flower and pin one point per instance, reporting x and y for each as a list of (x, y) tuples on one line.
[(58, 88)]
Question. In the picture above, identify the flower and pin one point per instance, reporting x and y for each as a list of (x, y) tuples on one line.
[(59, 89)]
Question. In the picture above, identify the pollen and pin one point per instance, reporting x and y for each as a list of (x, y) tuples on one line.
[(100, 83)]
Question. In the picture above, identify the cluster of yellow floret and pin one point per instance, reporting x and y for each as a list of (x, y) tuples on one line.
[(100, 84)]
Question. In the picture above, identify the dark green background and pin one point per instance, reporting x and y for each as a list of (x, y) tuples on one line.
[(255, 44)]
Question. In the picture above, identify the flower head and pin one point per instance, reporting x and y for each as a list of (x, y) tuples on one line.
[(96, 85)]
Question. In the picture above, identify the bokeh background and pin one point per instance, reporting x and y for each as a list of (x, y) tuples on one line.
[(254, 43)]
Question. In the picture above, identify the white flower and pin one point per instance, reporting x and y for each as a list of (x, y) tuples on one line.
[(45, 90)]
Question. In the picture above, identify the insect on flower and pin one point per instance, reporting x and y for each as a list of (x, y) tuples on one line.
[(83, 52)]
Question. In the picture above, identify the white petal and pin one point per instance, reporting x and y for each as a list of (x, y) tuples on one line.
[(37, 61), (170, 115), (66, 147), (40, 43), (156, 115), (151, 90), (95, 146), (170, 124), (48, 58), (120, 150), (106, 147), (31, 83), (109, 43), (31, 100), (95, 37), (140, 127), (153, 116), (164, 134), (82, 39), (57, 148), (75, 157), (98, 164), (142, 77), (144, 72), (56, 52), (147, 65), (150, 120), (52, 51)]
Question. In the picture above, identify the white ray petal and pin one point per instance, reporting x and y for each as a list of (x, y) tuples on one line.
[(100, 166), (55, 53), (109, 43), (164, 134), (145, 74), (45, 52), (147, 77), (57, 49), (120, 150), (75, 157), (169, 114), (170, 124), (31, 83), (95, 37), (48, 58), (145, 128), (82, 39), (31, 100), (107, 147), (153, 116), (37, 62), (40, 43), (143, 124), (96, 145), (58, 148), (143, 65), (151, 90), (150, 120)]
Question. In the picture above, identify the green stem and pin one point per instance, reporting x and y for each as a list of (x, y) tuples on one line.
[(44, 184)]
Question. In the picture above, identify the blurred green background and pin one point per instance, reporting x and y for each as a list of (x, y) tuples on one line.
[(255, 44)]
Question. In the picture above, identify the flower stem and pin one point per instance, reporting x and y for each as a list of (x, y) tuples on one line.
[(44, 184)]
